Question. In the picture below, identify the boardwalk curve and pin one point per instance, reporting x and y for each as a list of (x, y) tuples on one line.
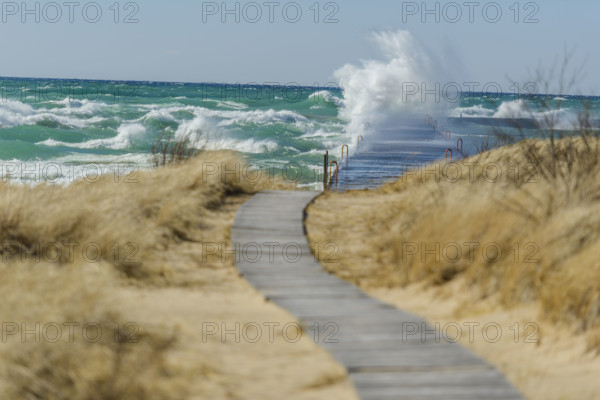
[(389, 354)]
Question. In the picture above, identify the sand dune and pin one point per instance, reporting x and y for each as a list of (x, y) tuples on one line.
[(109, 292), (509, 237)]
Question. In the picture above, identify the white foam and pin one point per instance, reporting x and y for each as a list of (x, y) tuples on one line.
[(15, 113), (373, 92), (231, 104), (74, 106), (326, 96), (205, 133), (160, 114), (246, 146), (196, 130), (560, 118), (474, 111), (211, 129), (125, 133), (512, 109), (293, 149), (226, 117)]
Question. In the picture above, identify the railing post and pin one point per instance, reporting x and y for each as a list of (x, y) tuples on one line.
[(337, 171), (325, 168)]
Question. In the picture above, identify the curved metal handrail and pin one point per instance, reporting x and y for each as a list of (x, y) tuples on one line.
[(347, 152), (449, 150), (337, 171)]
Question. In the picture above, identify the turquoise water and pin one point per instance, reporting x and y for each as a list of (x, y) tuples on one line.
[(58, 128)]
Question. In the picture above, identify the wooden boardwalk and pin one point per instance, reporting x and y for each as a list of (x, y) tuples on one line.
[(388, 154), (389, 354)]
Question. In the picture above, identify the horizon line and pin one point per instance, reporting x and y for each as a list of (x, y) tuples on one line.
[(272, 84)]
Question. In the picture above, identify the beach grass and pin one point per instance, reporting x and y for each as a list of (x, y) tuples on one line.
[(541, 195), (513, 228), (108, 286)]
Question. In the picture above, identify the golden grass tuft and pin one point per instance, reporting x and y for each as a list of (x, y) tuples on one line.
[(168, 151)]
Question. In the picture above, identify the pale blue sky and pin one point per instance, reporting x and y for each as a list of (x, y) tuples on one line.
[(172, 43)]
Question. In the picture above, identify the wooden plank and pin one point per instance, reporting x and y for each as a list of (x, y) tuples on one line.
[(434, 378)]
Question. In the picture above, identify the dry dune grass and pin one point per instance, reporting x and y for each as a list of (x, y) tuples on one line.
[(477, 246), (132, 220), (157, 289), (530, 236), (62, 358)]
